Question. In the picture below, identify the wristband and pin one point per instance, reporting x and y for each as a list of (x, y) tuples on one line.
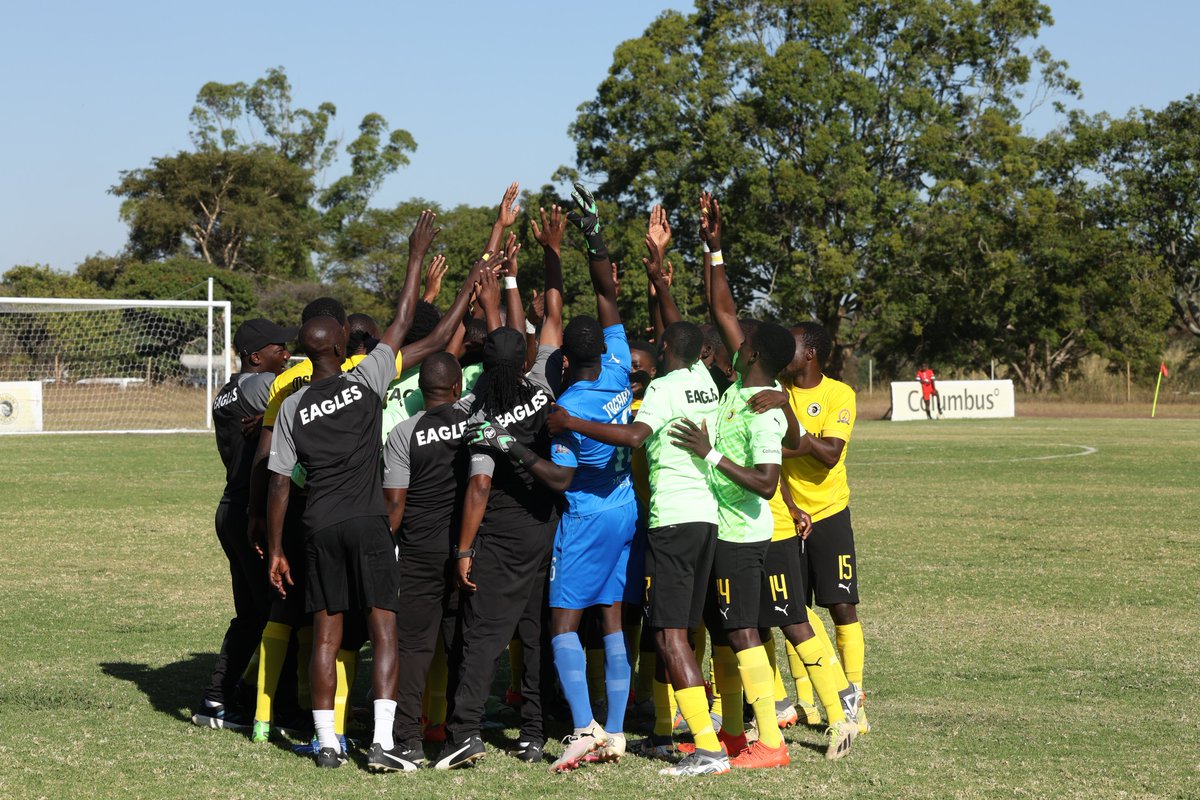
[(717, 258), (510, 282), (485, 256), (468, 553), (706, 247), (529, 328), (714, 457)]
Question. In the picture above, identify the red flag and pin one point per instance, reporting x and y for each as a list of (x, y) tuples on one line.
[(1163, 369)]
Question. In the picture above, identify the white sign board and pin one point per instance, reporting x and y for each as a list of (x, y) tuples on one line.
[(960, 400), (20, 407)]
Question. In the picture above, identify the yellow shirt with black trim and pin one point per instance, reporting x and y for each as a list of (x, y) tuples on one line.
[(297, 376), (826, 410)]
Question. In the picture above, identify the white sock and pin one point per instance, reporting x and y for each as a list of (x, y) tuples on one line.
[(323, 723), (385, 717)]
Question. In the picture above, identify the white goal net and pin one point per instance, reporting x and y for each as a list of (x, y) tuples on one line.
[(111, 365)]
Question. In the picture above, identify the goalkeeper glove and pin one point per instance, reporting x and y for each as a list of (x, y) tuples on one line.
[(587, 219)]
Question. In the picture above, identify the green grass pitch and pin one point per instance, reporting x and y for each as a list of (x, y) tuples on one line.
[(1031, 612)]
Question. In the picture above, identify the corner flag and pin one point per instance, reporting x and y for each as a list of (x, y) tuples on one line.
[(1162, 373)]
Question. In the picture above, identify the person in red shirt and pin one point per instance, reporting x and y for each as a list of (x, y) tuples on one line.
[(929, 391)]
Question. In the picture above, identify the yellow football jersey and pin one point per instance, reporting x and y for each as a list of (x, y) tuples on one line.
[(297, 376), (826, 410)]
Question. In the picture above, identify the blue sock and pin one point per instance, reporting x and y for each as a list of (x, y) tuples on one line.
[(571, 664), (616, 681)]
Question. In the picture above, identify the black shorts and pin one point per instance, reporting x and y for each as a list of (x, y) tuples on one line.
[(832, 570), (735, 586), (784, 585), (352, 565), (678, 563)]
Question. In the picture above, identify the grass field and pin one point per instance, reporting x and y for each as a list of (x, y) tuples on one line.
[(1031, 610)]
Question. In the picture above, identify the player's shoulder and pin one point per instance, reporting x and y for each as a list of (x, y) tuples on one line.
[(286, 380), (292, 402), (836, 390)]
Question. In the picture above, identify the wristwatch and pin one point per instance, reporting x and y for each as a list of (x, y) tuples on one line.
[(468, 553)]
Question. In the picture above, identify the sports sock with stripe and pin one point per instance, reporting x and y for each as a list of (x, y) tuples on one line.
[(346, 664), (693, 704), (664, 708), (729, 682), (616, 680), (571, 664), (755, 669), (853, 649), (826, 676), (272, 650), (804, 689), (819, 629), (385, 718)]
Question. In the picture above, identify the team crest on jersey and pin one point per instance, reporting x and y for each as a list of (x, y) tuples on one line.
[(561, 448), (814, 409), (844, 416)]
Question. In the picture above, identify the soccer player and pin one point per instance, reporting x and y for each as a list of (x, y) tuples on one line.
[(682, 536), (262, 347), (929, 391), (815, 474), (746, 454), (508, 521), (424, 469), (591, 546)]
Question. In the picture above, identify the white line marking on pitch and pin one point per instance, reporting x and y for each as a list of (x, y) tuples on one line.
[(1084, 450)]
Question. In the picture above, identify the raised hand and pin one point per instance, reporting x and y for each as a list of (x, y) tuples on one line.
[(487, 288), (584, 215), (537, 308), (433, 278), (422, 236), (511, 248), (550, 234), (710, 221), (507, 215), (659, 232)]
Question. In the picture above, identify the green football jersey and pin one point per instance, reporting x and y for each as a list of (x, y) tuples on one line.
[(404, 396), (746, 439), (679, 490)]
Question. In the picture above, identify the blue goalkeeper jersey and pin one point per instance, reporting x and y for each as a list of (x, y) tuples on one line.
[(602, 472)]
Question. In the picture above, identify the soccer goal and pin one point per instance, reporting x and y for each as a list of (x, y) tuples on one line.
[(111, 366)]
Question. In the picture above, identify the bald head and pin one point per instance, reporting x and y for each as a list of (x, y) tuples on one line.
[(441, 377), (324, 339)]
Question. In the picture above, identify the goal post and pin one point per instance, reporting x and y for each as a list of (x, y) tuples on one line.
[(111, 366)]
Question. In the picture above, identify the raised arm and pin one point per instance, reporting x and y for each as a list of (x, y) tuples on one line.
[(515, 317), (550, 236), (487, 292), (439, 337), (587, 219), (505, 217), (433, 279), (720, 304), (418, 245)]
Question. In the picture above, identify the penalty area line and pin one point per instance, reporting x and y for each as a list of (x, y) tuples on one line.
[(1082, 450)]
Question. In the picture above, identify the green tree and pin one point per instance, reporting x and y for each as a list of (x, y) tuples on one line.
[(820, 125)]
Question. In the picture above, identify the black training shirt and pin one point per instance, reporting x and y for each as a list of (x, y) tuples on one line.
[(245, 395)]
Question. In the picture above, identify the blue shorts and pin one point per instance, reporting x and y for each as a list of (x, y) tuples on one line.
[(590, 558)]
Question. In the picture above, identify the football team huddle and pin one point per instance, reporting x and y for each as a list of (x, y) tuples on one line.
[(486, 479)]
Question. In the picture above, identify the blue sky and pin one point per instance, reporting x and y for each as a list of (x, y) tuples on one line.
[(90, 89)]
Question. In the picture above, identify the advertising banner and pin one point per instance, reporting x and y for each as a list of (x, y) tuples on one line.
[(958, 400), (20, 407)]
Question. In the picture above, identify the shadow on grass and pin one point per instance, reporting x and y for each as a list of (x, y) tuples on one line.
[(171, 688)]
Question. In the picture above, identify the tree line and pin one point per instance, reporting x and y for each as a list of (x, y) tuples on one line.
[(872, 156)]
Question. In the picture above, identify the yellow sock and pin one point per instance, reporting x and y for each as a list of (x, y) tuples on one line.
[(664, 709), (698, 642), (304, 639), (826, 676), (516, 664), (853, 649), (804, 689), (647, 660), (693, 704), (729, 681), (595, 676), (271, 652), (755, 669), (819, 629), (780, 693), (435, 686), (341, 695)]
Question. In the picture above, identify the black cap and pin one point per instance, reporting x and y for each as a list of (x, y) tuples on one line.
[(504, 347), (255, 334)]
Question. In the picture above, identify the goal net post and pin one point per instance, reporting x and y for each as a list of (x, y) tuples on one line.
[(111, 366)]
